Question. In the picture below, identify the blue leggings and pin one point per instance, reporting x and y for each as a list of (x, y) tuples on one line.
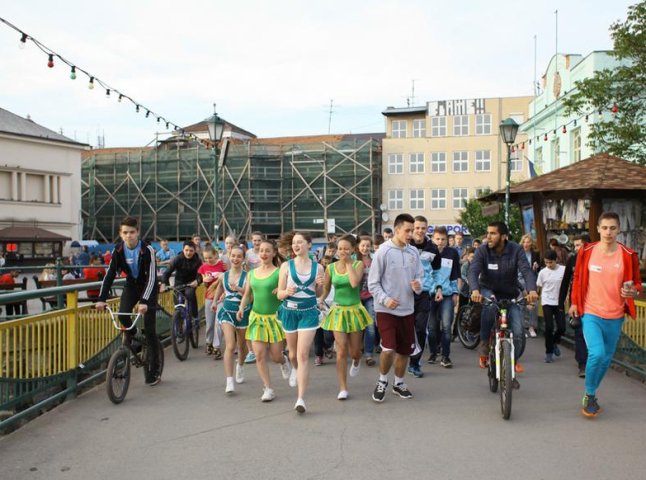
[(601, 336)]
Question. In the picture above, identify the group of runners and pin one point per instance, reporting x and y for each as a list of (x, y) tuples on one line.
[(275, 298)]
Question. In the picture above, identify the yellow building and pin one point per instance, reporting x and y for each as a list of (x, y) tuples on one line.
[(437, 156)]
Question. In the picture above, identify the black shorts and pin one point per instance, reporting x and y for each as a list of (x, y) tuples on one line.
[(397, 333)]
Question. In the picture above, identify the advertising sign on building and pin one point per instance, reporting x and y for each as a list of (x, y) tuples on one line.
[(452, 229)]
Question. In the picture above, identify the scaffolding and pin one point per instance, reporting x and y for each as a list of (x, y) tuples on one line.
[(270, 185)]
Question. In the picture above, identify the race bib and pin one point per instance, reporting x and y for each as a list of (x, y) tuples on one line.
[(448, 263), (291, 305), (492, 266), (595, 268)]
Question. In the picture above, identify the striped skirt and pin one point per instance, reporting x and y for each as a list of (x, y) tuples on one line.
[(264, 328), (353, 318)]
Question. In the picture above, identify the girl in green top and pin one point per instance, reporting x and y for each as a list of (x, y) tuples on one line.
[(264, 328), (348, 317)]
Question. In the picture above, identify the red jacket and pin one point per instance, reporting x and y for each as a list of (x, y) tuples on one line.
[(581, 276)]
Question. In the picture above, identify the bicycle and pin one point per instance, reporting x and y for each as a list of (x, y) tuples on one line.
[(467, 325), (184, 329), (117, 375), (501, 369)]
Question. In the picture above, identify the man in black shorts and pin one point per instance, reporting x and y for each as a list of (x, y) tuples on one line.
[(395, 276)]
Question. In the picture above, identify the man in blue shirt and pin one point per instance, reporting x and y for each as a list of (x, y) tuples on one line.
[(164, 255)]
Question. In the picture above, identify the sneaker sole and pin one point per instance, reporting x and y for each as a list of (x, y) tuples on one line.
[(378, 400), (300, 409), (447, 366), (405, 397), (589, 415)]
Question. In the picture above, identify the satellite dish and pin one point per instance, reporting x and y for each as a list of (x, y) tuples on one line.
[(385, 217), (383, 207)]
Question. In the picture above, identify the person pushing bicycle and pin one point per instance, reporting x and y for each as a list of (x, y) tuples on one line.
[(135, 258), (494, 271)]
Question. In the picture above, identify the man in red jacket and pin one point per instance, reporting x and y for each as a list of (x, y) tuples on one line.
[(606, 281)]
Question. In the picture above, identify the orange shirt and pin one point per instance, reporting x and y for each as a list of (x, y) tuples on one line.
[(606, 273)]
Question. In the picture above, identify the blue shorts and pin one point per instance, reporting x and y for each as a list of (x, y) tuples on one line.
[(294, 320)]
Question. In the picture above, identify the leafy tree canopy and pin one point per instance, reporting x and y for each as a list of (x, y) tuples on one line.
[(472, 218)]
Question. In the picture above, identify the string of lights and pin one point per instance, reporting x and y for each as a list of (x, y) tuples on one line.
[(93, 81)]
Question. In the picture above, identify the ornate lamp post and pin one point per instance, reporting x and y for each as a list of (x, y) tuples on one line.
[(508, 131), (216, 128)]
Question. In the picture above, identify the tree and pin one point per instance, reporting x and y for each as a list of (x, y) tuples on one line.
[(623, 135), (472, 218)]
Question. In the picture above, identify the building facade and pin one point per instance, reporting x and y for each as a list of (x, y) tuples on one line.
[(438, 156), (555, 140), (40, 186)]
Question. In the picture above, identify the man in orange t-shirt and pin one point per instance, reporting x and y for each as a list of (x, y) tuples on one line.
[(94, 273), (606, 281)]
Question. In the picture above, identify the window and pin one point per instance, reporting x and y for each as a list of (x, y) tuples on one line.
[(576, 145), (482, 191), (438, 198), (461, 125), (438, 127), (395, 200), (460, 197), (395, 163), (460, 162), (419, 128), (556, 154), (483, 124), (483, 161), (438, 162), (417, 199), (416, 164), (538, 163), (516, 162), (399, 128)]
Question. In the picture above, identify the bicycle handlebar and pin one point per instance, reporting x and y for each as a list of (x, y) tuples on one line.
[(118, 326), (504, 303)]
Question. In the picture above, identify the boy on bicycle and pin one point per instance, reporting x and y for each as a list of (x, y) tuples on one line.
[(135, 258), (185, 266)]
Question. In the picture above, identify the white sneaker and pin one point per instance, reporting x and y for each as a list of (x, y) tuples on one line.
[(300, 406), (343, 395), (354, 369), (230, 386), (293, 378), (267, 394), (532, 332), (239, 373), (285, 368)]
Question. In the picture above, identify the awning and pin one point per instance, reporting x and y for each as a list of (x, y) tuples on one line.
[(30, 234)]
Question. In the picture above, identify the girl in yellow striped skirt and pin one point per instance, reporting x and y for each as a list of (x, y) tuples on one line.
[(348, 317)]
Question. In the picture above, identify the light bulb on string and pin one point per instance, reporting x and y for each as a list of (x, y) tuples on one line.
[(166, 125), (522, 146), (50, 62), (120, 98), (614, 108), (137, 109), (73, 73), (107, 93), (586, 118), (91, 84), (545, 138), (23, 41), (147, 113), (158, 119), (564, 129), (575, 122)]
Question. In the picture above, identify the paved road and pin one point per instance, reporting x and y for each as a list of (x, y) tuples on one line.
[(187, 428)]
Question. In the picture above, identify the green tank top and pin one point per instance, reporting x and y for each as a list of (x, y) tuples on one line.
[(264, 301), (344, 294)]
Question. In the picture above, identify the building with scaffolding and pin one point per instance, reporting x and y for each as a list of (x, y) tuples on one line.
[(319, 184)]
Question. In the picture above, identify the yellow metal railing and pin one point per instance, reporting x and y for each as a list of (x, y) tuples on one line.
[(636, 329), (57, 341)]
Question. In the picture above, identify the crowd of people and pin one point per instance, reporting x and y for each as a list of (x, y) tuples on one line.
[(389, 294)]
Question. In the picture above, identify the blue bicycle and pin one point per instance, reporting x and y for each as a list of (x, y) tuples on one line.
[(184, 329)]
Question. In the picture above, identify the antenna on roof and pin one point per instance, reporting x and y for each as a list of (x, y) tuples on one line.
[(329, 122)]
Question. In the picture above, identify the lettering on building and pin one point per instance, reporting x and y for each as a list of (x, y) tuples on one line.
[(442, 108)]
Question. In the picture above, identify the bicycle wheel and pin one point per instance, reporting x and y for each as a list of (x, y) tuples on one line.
[(505, 380), (178, 335), (117, 377), (491, 370), (160, 357), (467, 339), (195, 333)]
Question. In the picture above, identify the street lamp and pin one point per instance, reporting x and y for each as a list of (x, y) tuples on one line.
[(508, 131), (216, 126)]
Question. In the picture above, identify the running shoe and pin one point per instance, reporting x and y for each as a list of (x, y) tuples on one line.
[(446, 362), (343, 395), (370, 361), (209, 349), (415, 371), (532, 332), (590, 406), (239, 373), (250, 358), (549, 358), (402, 390), (581, 372), (515, 384), (300, 406), (293, 378), (329, 353), (285, 367), (154, 380), (230, 388), (217, 354), (519, 368), (267, 394), (354, 369), (483, 361), (318, 360), (557, 351), (380, 391), (432, 359)]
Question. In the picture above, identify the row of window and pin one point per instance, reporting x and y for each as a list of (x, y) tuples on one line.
[(399, 128), (417, 198), (556, 152), (460, 162)]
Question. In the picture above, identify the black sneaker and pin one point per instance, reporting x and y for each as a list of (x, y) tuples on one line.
[(402, 390), (432, 359), (515, 385), (581, 372), (380, 391), (446, 362), (153, 380)]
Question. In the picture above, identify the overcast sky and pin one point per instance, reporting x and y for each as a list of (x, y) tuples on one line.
[(273, 66)]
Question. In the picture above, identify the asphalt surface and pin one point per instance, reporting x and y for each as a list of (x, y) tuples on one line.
[(187, 428)]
